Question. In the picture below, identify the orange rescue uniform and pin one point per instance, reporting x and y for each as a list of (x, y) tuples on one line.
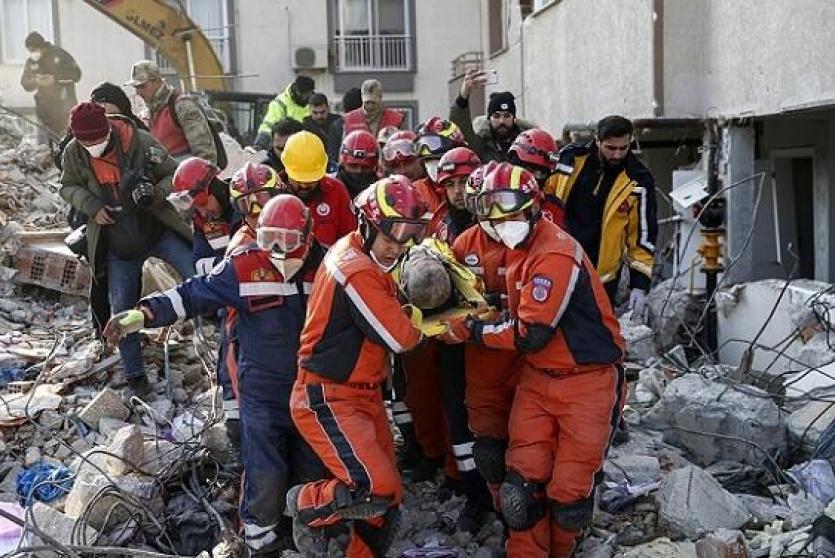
[(570, 393), (354, 321)]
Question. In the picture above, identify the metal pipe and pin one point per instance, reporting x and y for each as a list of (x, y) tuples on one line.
[(190, 58)]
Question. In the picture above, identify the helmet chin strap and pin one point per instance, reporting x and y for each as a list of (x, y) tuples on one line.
[(380, 265)]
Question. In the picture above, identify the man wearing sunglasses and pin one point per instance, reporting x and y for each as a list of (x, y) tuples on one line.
[(609, 199), (305, 164), (355, 320), (268, 285), (571, 388)]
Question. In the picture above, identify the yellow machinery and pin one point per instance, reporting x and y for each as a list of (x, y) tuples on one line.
[(174, 34)]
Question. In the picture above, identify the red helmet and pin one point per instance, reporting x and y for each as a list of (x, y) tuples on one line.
[(436, 136), (458, 161), (534, 147), (251, 188), (191, 183), (393, 206), (284, 227), (506, 190), (359, 148), (399, 151), (403, 135)]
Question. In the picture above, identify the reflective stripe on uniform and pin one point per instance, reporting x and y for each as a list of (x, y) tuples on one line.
[(218, 242), (572, 282), (360, 305), (176, 302), (204, 266)]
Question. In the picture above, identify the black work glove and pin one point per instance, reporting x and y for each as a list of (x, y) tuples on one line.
[(143, 193)]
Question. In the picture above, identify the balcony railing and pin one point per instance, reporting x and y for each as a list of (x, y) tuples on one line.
[(374, 52)]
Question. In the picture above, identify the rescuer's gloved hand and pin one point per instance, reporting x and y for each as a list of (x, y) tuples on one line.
[(123, 324)]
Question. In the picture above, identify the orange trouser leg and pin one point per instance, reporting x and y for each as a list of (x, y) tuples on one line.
[(348, 428), (560, 430), (423, 388), (491, 377)]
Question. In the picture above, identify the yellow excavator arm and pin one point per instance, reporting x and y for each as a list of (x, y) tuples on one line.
[(174, 34)]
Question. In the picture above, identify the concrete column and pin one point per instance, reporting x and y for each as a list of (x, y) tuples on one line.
[(739, 159)]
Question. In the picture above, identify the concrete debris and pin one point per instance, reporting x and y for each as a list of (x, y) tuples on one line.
[(125, 450), (640, 341), (807, 424), (723, 543), (59, 526), (691, 503), (714, 421), (672, 310), (106, 404), (634, 469), (661, 548)]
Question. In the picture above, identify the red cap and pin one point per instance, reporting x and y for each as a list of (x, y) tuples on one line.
[(88, 122)]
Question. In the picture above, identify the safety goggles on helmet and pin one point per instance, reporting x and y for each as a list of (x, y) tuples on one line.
[(358, 153), (185, 200), (549, 156), (280, 240), (253, 202), (404, 230), (399, 149), (431, 145), (506, 202)]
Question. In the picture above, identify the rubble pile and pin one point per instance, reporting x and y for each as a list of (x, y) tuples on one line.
[(29, 186)]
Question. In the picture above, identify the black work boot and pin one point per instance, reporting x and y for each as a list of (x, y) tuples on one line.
[(478, 503), (427, 468), (410, 453)]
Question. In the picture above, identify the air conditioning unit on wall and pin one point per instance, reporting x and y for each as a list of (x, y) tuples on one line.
[(310, 57)]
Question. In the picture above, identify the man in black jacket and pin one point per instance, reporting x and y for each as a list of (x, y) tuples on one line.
[(326, 125), (52, 73)]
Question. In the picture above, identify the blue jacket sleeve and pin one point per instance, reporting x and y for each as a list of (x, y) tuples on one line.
[(197, 296), (204, 256)]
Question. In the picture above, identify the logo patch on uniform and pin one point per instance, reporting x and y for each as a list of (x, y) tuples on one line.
[(541, 288), (323, 209), (263, 274), (471, 259), (624, 208)]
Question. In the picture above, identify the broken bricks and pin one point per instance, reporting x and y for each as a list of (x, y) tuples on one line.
[(106, 403)]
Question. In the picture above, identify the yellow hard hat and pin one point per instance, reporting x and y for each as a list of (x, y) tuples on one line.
[(304, 157)]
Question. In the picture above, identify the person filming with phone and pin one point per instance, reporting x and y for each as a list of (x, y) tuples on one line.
[(491, 136)]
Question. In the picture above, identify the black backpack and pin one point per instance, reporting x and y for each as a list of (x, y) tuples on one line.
[(215, 125)]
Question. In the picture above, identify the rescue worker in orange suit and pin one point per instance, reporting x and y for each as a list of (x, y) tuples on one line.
[(609, 199), (435, 137), (450, 220), (571, 388), (372, 116), (355, 321), (359, 156), (536, 151), (490, 374), (305, 163), (268, 284), (197, 189)]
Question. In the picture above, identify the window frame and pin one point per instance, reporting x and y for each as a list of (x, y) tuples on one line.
[(51, 36), (336, 15)]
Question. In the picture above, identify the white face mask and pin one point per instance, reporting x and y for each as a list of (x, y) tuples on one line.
[(431, 166), (35, 56), (97, 150), (288, 267), (488, 228), (513, 233), (381, 266)]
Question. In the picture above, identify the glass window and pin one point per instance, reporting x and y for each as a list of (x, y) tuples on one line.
[(213, 19), (19, 18)]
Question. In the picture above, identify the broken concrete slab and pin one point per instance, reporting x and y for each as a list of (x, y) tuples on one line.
[(57, 525), (126, 450), (639, 339), (661, 548), (16, 407), (695, 408), (634, 469), (143, 494), (691, 504), (807, 424), (106, 404)]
